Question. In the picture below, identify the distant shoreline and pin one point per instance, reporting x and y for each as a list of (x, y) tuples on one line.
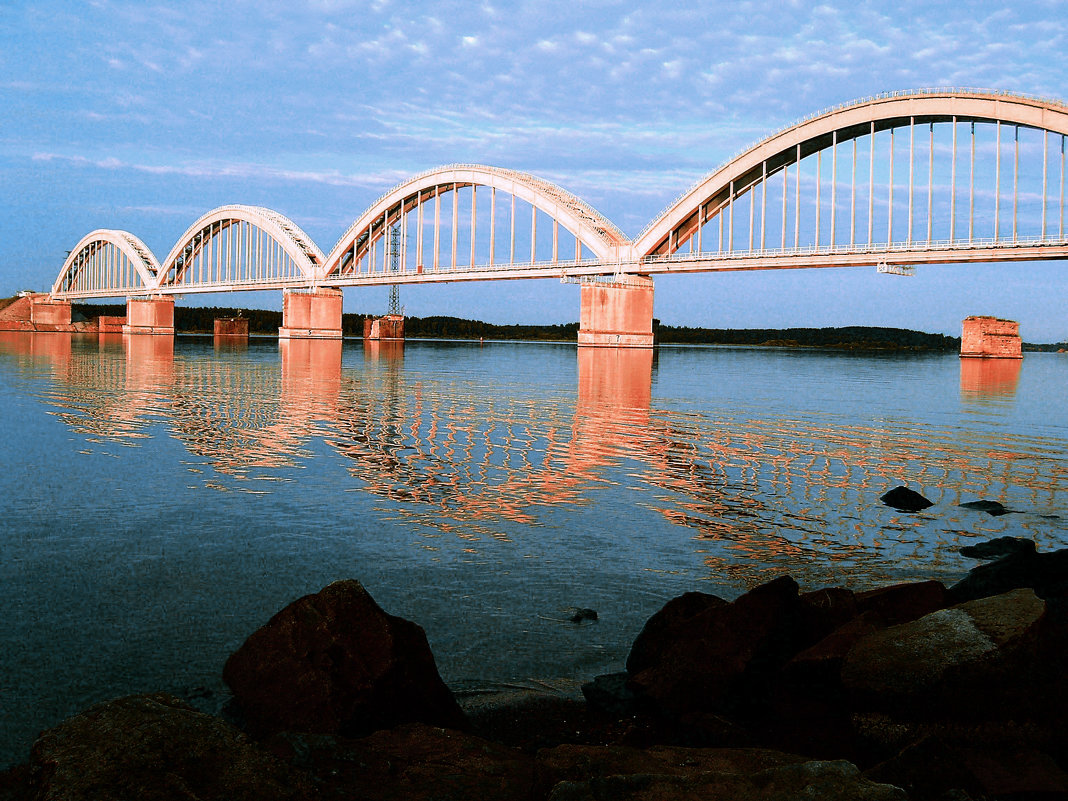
[(200, 320)]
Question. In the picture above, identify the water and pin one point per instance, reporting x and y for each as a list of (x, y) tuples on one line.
[(162, 499)]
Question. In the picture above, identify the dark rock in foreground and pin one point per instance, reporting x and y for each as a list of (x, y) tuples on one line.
[(335, 663), (1045, 573), (156, 748), (824, 780), (963, 658), (905, 500), (410, 763)]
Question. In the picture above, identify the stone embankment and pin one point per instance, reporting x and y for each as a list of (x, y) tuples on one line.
[(914, 691)]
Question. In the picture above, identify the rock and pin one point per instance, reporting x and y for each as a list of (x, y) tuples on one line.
[(992, 508), (666, 625), (335, 663), (410, 763), (821, 663), (998, 547), (946, 656), (576, 615), (827, 781), (900, 603), (610, 696), (932, 767), (1045, 573), (826, 609), (723, 657), (905, 500), (155, 747), (581, 763)]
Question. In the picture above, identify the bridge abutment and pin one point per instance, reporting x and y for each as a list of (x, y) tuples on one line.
[(617, 314), (311, 314), (149, 316)]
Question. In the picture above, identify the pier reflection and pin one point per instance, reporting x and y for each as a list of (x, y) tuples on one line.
[(989, 378)]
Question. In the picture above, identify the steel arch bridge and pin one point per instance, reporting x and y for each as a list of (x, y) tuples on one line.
[(905, 178)]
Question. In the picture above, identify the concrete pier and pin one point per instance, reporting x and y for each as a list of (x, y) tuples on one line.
[(149, 316), (990, 338), (236, 327), (390, 327), (617, 314), (311, 314)]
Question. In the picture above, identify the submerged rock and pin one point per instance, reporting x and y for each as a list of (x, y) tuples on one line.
[(335, 663), (998, 547), (992, 508), (905, 500), (582, 615), (156, 748)]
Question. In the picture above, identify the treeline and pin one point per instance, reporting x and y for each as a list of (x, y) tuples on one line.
[(457, 328), (847, 337), (201, 320)]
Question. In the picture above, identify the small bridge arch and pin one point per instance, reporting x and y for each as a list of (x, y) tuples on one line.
[(240, 247), (106, 263)]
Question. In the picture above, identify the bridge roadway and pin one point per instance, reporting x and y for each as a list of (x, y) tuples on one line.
[(902, 179)]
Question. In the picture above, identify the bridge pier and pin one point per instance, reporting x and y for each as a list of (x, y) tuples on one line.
[(990, 338), (311, 314), (149, 316), (617, 314)]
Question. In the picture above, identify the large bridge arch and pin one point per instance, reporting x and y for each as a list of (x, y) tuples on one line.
[(240, 247), (106, 263), (679, 223), (590, 229)]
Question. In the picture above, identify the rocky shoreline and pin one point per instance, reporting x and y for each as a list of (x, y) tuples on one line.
[(913, 691)]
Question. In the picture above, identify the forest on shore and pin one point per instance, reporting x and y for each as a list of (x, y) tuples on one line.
[(200, 320)]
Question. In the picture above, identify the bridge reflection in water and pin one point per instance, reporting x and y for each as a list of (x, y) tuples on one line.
[(760, 493)]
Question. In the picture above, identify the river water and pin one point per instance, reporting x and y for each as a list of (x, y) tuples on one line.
[(162, 499)]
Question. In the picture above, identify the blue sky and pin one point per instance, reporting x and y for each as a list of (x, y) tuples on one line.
[(142, 116)]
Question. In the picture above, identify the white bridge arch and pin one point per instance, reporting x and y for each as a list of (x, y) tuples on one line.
[(116, 262)]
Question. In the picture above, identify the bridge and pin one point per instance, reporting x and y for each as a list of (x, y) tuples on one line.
[(892, 181)]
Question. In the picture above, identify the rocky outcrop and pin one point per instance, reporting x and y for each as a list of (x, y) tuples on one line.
[(155, 748), (335, 663)]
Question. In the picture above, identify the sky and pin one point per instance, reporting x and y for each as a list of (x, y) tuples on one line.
[(142, 116)]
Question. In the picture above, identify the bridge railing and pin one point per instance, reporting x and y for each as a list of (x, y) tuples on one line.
[(862, 248)]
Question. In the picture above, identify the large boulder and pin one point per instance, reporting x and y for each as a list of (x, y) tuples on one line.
[(967, 655), (721, 658), (156, 748), (335, 663), (666, 626)]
